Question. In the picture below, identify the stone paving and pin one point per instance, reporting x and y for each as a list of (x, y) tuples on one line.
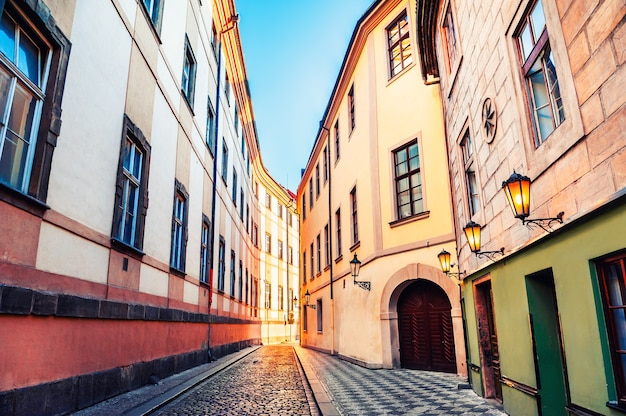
[(287, 379), (355, 390), (265, 382)]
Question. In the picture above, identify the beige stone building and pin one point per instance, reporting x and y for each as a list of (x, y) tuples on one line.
[(129, 172), (533, 94), (376, 188)]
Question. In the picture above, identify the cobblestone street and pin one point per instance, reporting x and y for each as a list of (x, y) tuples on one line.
[(287, 379), (266, 382)]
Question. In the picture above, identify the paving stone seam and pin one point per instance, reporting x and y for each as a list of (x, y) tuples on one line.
[(160, 401)]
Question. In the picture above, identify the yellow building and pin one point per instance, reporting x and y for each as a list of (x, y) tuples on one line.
[(376, 188)]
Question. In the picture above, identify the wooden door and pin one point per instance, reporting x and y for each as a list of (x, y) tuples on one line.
[(425, 328)]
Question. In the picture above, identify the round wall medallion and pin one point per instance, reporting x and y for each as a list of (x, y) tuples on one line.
[(490, 119)]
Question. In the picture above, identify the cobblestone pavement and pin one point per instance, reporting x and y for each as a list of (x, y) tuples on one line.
[(266, 382), (355, 390)]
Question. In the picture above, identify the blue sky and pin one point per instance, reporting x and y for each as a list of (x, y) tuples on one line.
[(293, 51)]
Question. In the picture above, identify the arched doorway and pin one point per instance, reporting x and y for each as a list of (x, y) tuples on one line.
[(425, 328)]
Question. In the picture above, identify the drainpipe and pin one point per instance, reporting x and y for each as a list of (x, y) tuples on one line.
[(330, 242), (234, 19)]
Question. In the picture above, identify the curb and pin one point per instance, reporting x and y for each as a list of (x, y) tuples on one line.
[(322, 398)]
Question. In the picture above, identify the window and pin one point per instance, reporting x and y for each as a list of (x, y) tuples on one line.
[(337, 140), (24, 65), (317, 180), (542, 86), (280, 211), (355, 220), (612, 277), (399, 45), (236, 121), (325, 164), (247, 218), (154, 9), (224, 160), (281, 298), (449, 39), (210, 126), (189, 73), (318, 309), (409, 199), (303, 207), (290, 216), (205, 249), (338, 227), (131, 200), (290, 255), (311, 193), (280, 249), (227, 88), (319, 253), (214, 41), (247, 287), (312, 262), (268, 295), (305, 320), (232, 273), (351, 108), (241, 198), (326, 246), (255, 234), (221, 270), (268, 200), (179, 228), (234, 194), (240, 292), (471, 185), (268, 243), (304, 266)]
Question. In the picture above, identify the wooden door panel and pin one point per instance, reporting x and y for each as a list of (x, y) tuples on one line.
[(425, 328)]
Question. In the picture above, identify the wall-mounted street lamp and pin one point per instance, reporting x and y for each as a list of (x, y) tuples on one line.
[(355, 267), (472, 233), (517, 190), (444, 260), (307, 297)]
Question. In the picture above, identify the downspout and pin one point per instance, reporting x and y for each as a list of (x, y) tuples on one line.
[(330, 243)]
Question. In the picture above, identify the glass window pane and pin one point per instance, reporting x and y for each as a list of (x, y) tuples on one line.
[(619, 320), (28, 59), (5, 88), (22, 113), (526, 42), (7, 37), (538, 20)]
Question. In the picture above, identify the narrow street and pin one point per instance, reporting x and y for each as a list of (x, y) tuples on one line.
[(287, 379)]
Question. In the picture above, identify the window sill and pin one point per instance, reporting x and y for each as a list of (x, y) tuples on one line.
[(355, 245), (399, 74), (23, 201), (127, 248), (177, 272), (616, 406), (338, 259), (205, 284), (188, 102), (318, 274), (416, 217), (327, 267)]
